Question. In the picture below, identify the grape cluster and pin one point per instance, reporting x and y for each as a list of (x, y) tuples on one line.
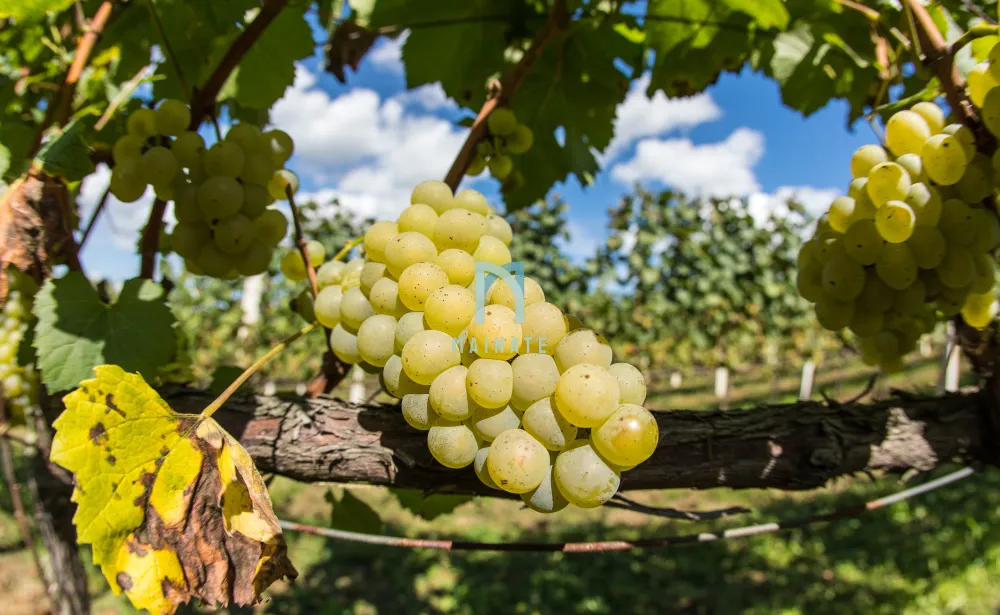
[(225, 227), (537, 407), (506, 136), (912, 242), (20, 383)]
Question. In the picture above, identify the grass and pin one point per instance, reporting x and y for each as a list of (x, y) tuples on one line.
[(939, 553)]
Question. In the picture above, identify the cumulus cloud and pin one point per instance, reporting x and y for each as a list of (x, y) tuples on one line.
[(388, 54), (120, 222)]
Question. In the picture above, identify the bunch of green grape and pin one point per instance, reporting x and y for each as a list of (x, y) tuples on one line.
[(225, 227), (537, 407), (20, 382), (912, 243), (506, 136)]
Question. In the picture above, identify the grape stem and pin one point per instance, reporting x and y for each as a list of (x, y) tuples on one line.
[(300, 241), (511, 82), (124, 95), (93, 218), (976, 31), (250, 371), (936, 53)]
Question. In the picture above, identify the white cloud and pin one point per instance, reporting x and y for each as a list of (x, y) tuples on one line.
[(815, 200), (702, 170), (430, 97), (640, 116), (388, 54), (122, 220)]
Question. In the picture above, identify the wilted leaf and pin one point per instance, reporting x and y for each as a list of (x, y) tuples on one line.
[(171, 504)]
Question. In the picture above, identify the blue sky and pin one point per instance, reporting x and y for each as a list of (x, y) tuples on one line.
[(369, 141)]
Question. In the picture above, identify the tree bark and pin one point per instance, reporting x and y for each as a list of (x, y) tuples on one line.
[(790, 447)]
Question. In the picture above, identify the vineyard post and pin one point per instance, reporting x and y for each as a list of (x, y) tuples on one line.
[(806, 382)]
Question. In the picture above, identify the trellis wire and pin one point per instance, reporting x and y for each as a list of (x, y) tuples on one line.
[(626, 545)]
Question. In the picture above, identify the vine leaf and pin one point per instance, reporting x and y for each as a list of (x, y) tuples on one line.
[(30, 10), (352, 514), (269, 67), (171, 504), (428, 506), (77, 330), (67, 155)]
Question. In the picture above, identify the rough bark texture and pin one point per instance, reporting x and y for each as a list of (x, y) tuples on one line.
[(796, 446)]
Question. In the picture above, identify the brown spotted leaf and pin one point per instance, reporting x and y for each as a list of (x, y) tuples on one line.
[(171, 504)]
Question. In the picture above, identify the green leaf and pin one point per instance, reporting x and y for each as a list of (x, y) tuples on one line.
[(428, 507), (29, 10), (352, 514), (4, 159), (77, 331), (67, 155), (269, 68), (17, 138)]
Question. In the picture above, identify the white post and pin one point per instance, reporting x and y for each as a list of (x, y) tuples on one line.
[(269, 388), (357, 392), (722, 382), (806, 384), (250, 300), (675, 380), (950, 363)]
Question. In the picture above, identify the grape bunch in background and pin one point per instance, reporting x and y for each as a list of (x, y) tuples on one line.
[(914, 240), (222, 195), (556, 424), (506, 136), (20, 382)]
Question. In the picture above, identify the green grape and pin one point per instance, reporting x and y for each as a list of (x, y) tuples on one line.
[(535, 378), (482, 471), (926, 204), (417, 218), (520, 140), (142, 123), (327, 306), (501, 122), (188, 148), (224, 159), (129, 147), (895, 221), (377, 238), (428, 353), (354, 309), (888, 181), (945, 159), (255, 260), (271, 227), (932, 114), (928, 246), (459, 265), (582, 346), (377, 339), (957, 269), (488, 423), (858, 189), (914, 167), (280, 145), (344, 344), (484, 149), (985, 273), (862, 242), (406, 249), (255, 201), (809, 281), (584, 477), (432, 192), (628, 437), (409, 325), (834, 315), (490, 382), (843, 278), (830, 247), (471, 200), (303, 306), (546, 497), (127, 183), (548, 426), (911, 299), (248, 137), (187, 238), (501, 166), (220, 197), (258, 169), (978, 310), (966, 138), (214, 262), (492, 250), (395, 382), (886, 344), (866, 324), (417, 411), (158, 166), (292, 266), (448, 395), (958, 223), (316, 253), (330, 273), (977, 182), (498, 336), (172, 118), (460, 229), (452, 444), (500, 293), (990, 109), (517, 462), (631, 384), (864, 159), (980, 82), (234, 235), (281, 183), (449, 308), (586, 395), (896, 265), (384, 297), (418, 281), (905, 133), (543, 328), (497, 227), (370, 274), (841, 213)]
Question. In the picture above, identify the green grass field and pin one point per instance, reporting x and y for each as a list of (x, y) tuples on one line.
[(939, 553)]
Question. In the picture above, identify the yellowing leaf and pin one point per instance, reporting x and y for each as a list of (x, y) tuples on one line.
[(172, 504)]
